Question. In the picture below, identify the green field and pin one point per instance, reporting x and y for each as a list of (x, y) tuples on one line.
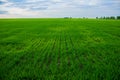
[(59, 49)]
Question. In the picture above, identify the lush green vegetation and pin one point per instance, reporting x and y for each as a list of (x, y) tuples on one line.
[(59, 49)]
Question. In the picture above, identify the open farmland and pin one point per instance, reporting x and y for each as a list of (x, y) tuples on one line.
[(59, 49)]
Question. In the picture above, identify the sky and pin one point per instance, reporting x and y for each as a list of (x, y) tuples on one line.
[(58, 8)]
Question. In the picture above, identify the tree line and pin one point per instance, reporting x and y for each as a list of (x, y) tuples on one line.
[(108, 17)]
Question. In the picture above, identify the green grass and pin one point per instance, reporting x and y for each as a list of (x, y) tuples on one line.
[(59, 49)]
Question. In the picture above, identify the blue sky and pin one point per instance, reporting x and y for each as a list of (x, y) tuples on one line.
[(59, 8)]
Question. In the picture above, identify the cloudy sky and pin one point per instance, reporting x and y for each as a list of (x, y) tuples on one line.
[(59, 8)]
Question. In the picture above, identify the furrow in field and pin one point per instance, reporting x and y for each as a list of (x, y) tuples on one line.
[(44, 54), (11, 58), (59, 51), (55, 56), (22, 57), (68, 50), (32, 59), (32, 50), (76, 55), (41, 51), (64, 58), (44, 60), (50, 54), (61, 54), (13, 61)]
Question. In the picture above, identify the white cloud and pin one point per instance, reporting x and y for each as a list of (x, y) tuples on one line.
[(94, 2), (4, 0), (57, 0), (34, 0), (60, 8)]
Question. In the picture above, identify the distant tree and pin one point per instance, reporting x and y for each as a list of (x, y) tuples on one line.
[(112, 17), (96, 17), (66, 17), (118, 17), (83, 17), (104, 17)]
